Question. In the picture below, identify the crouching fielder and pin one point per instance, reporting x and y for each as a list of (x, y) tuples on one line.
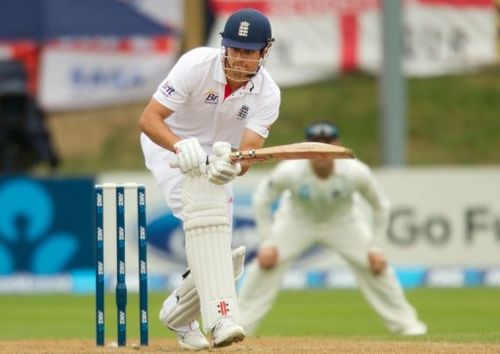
[(318, 205)]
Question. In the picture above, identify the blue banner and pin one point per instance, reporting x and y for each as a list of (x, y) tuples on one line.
[(46, 225)]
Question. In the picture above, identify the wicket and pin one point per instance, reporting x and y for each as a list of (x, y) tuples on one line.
[(121, 287)]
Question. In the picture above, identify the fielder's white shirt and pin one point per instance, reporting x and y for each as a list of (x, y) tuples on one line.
[(194, 90), (304, 196)]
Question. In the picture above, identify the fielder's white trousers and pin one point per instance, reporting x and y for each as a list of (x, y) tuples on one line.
[(350, 239)]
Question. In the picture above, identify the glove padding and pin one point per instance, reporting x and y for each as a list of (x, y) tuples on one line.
[(220, 168), (191, 157)]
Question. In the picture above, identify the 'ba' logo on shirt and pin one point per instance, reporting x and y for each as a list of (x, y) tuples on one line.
[(211, 97)]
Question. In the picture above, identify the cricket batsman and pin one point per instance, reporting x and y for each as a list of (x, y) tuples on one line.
[(211, 102)]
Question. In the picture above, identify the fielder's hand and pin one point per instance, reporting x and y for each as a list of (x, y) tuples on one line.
[(268, 257), (220, 168), (377, 262), (191, 157)]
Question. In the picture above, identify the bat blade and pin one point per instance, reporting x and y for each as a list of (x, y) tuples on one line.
[(297, 151)]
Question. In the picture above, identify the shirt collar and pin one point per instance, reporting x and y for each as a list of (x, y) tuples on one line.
[(219, 75)]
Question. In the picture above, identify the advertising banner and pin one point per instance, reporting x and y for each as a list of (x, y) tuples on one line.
[(443, 216), (320, 39), (88, 54), (83, 74), (443, 231), (44, 231)]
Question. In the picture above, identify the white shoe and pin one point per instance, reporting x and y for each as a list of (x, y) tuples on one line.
[(418, 329), (191, 338), (226, 332)]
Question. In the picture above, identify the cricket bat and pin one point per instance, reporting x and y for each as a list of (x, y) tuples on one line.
[(306, 150), (297, 151)]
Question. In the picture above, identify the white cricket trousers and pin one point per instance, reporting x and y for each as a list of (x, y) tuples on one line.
[(171, 180), (350, 239)]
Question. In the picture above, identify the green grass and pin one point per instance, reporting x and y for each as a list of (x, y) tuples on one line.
[(453, 315), (451, 119)]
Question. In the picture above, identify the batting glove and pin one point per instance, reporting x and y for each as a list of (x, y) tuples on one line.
[(220, 168), (191, 158)]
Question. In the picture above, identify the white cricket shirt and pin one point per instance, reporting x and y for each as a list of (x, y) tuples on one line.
[(304, 196), (194, 90)]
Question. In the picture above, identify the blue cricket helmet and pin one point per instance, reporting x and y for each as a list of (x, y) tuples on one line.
[(247, 29), (322, 131)]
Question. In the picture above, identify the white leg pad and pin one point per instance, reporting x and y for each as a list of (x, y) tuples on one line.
[(208, 249), (183, 306)]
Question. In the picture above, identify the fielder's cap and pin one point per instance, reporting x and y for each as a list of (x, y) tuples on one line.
[(247, 29), (322, 131)]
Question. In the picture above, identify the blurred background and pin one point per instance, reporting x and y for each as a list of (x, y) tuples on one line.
[(414, 87)]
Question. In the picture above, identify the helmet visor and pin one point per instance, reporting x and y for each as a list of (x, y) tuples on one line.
[(227, 42)]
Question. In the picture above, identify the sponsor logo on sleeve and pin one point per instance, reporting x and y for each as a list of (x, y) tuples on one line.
[(167, 89)]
